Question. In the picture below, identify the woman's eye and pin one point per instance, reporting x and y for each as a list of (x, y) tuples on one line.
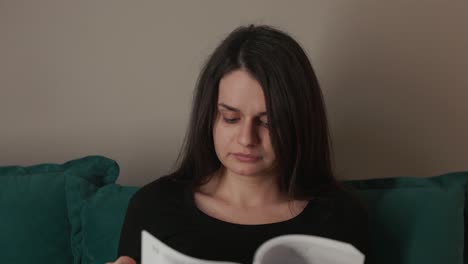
[(235, 120), (230, 120), (265, 124)]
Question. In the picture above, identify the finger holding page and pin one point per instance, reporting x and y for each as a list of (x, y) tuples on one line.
[(123, 260)]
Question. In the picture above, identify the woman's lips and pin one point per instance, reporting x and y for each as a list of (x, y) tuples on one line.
[(245, 157)]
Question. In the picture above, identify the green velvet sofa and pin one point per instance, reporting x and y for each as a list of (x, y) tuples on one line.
[(73, 212)]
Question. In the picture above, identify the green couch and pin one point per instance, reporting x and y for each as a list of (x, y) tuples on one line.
[(72, 213)]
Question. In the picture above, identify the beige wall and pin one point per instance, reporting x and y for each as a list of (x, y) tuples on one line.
[(115, 78)]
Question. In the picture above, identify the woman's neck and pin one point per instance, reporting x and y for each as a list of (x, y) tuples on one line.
[(243, 191)]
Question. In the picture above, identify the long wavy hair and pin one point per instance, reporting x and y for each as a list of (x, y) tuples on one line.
[(298, 124)]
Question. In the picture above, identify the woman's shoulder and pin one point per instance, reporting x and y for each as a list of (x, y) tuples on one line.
[(162, 189), (344, 215), (343, 200), (348, 206)]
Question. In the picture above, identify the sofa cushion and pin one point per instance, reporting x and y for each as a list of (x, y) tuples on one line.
[(416, 220), (81, 183), (34, 226), (102, 217)]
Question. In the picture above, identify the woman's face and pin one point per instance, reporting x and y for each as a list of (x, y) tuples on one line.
[(240, 132)]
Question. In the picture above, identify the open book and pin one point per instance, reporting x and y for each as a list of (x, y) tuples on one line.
[(286, 249)]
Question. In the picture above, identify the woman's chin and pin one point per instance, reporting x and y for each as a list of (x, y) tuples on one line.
[(246, 171)]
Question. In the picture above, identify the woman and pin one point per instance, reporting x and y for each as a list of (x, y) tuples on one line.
[(256, 161)]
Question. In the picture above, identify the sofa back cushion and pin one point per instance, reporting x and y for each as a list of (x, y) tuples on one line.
[(416, 220), (34, 223), (102, 218)]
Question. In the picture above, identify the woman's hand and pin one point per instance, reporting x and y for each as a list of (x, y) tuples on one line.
[(123, 260)]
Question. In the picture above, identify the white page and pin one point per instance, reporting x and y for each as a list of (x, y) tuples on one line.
[(153, 251), (306, 249)]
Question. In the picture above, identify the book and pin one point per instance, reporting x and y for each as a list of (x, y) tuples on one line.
[(285, 249)]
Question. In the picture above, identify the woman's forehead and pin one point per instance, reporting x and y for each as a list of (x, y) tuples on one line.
[(241, 91)]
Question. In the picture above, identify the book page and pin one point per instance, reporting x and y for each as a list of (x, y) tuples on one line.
[(306, 249), (154, 251)]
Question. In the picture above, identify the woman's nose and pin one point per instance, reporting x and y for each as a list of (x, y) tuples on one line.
[(247, 136)]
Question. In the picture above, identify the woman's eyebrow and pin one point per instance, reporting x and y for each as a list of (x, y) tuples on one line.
[(231, 108)]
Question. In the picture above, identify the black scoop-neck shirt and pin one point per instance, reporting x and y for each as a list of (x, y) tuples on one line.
[(166, 208)]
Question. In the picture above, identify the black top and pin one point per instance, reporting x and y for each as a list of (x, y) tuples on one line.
[(166, 209)]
